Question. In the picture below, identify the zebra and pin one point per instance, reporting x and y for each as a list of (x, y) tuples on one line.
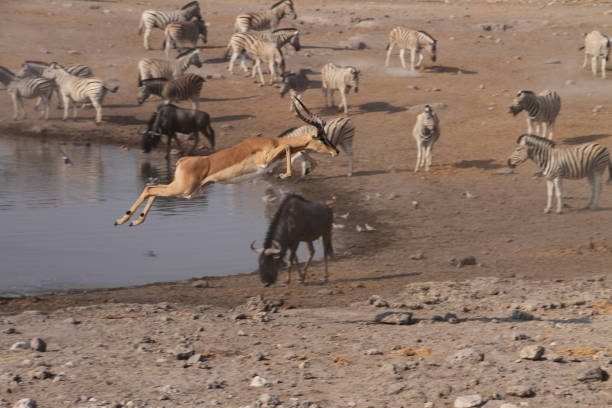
[(586, 160), (415, 41), (294, 83), (597, 46), (240, 43), (151, 19), (168, 69), (29, 88), (266, 19), (268, 52), (426, 132), (542, 109), (184, 87), (335, 77), (179, 33), (76, 89), (340, 131), (31, 69)]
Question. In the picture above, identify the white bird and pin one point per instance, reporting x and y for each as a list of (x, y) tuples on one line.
[(65, 157), (368, 227), (359, 228), (344, 216), (415, 204), (467, 194), (338, 226)]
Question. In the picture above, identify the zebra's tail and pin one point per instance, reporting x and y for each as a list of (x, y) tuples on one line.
[(387, 47), (609, 171), (227, 51), (581, 48), (141, 26)]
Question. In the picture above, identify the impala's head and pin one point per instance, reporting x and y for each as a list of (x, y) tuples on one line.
[(271, 260), (318, 138), (518, 104)]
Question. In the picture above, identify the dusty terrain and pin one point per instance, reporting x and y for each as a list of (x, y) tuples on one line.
[(468, 206)]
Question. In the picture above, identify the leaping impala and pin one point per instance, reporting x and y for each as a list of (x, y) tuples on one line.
[(250, 158)]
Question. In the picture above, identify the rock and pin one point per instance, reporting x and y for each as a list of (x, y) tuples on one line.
[(519, 390), (11, 330), (521, 315), (241, 316), (196, 358), (377, 301), (508, 405), (400, 318), (184, 353), (552, 61), (593, 375), (215, 384), (40, 373), (373, 352), (468, 401), (461, 262), (570, 82), (451, 318), (74, 52), (354, 43), (394, 389), (215, 76), (598, 108), (494, 27), (269, 400), (72, 320), (417, 256), (531, 352), (391, 370), (467, 355), (37, 344), (25, 403), (200, 284), (20, 345), (256, 356), (258, 382)]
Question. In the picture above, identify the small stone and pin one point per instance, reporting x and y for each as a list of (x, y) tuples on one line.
[(215, 76), (259, 382), (417, 256), (10, 330), (74, 52), (468, 401), (200, 284), (531, 352), (242, 333), (270, 400), (593, 375), (373, 352), (400, 318), (196, 358), (521, 315), (25, 403), (325, 292), (394, 389), (40, 373), (598, 108), (37, 344), (467, 355), (522, 391), (256, 356), (570, 82), (461, 262), (215, 384), (184, 353), (72, 320), (20, 345), (241, 316)]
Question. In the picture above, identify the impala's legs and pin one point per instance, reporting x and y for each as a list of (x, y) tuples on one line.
[(145, 211)]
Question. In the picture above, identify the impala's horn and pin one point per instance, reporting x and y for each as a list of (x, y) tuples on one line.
[(303, 113)]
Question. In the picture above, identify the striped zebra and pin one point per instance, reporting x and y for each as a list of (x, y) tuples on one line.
[(587, 160), (426, 132), (241, 43), (149, 68), (596, 45), (415, 41), (151, 19), (78, 90), (294, 83), (177, 35), (340, 132), (31, 69), (264, 20), (337, 78), (182, 88), (29, 88), (542, 109)]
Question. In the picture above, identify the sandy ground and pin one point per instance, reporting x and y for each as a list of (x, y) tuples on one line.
[(468, 204)]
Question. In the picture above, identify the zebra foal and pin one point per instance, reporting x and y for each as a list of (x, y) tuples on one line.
[(542, 111), (596, 45), (340, 131), (587, 160), (176, 35), (149, 68), (266, 19), (426, 132), (78, 90), (29, 88), (151, 19), (415, 41), (182, 88), (337, 78)]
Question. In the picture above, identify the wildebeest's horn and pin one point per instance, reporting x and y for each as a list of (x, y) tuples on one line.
[(256, 250), (274, 249), (307, 116)]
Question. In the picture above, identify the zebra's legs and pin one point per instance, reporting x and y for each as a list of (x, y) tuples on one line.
[(230, 66), (586, 59), (349, 153), (428, 154), (603, 68), (388, 54), (544, 128), (558, 192), (413, 52), (15, 106), (549, 193), (418, 160), (97, 107), (595, 183), (551, 130), (243, 64), (66, 101), (147, 33), (272, 68), (343, 96), (402, 57), (195, 102), (46, 101), (420, 61), (594, 65)]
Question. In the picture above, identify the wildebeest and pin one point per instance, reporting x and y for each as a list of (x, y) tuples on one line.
[(296, 220), (170, 119)]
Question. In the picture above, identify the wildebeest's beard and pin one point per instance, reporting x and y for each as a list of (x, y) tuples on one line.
[(269, 267), (150, 141)]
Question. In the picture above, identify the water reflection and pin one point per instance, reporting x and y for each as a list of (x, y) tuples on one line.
[(57, 220)]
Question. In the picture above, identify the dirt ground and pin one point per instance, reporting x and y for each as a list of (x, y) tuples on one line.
[(468, 205)]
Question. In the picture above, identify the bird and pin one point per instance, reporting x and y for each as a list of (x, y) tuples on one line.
[(368, 227), (344, 216), (415, 204), (65, 157)]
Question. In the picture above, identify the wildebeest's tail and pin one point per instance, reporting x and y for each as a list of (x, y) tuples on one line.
[(209, 133)]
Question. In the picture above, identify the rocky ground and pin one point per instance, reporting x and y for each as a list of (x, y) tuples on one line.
[(323, 345), (492, 342)]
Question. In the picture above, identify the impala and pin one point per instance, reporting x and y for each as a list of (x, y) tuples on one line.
[(250, 158)]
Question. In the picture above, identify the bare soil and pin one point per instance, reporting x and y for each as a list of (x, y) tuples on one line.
[(468, 205)]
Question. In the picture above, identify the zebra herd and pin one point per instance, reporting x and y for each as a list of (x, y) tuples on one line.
[(257, 37)]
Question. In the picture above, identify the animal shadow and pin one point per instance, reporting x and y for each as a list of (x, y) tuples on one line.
[(216, 60), (380, 107), (585, 139), (122, 105), (479, 164), (439, 69), (230, 118), (124, 120), (240, 98)]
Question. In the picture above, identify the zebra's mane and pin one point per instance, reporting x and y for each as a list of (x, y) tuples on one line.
[(426, 34), (46, 64), (285, 29), (190, 4), (278, 3), (182, 54), (6, 76), (287, 132), (533, 140), (525, 91), (150, 80)]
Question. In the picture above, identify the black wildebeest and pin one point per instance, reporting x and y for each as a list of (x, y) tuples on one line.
[(170, 119), (296, 220)]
